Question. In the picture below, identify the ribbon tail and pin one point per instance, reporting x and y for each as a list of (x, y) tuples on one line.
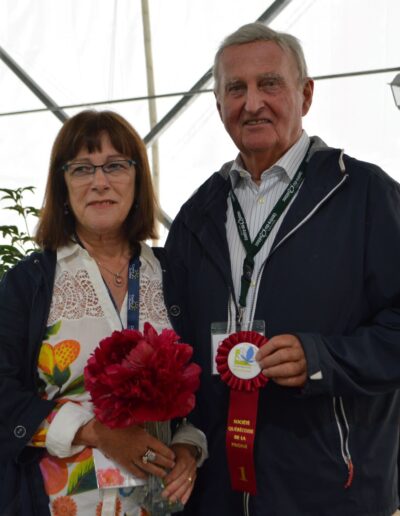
[(240, 435)]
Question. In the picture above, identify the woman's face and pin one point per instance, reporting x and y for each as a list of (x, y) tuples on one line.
[(100, 202)]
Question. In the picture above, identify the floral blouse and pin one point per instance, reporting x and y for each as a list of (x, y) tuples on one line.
[(81, 314)]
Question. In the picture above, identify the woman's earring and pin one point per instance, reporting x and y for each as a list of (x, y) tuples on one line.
[(66, 208)]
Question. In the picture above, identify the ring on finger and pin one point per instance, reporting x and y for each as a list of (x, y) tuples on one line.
[(190, 480), (149, 456)]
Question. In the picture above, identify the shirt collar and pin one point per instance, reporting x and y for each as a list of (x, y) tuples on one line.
[(146, 254), (288, 163), (69, 250)]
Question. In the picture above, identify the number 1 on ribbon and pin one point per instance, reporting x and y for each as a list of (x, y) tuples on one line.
[(243, 477)]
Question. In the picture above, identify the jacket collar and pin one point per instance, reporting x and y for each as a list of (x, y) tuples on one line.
[(206, 215), (325, 172)]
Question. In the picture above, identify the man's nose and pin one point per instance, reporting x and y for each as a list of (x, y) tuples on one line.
[(254, 100)]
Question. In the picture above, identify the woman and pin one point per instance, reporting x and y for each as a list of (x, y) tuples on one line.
[(57, 305)]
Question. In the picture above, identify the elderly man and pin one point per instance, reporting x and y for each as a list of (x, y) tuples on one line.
[(305, 240)]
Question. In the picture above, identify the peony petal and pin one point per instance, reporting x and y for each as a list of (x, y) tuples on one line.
[(134, 377)]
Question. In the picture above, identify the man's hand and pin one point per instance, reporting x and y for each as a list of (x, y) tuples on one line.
[(282, 359)]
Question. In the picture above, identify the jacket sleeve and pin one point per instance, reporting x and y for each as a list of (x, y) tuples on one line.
[(176, 279), (21, 409), (186, 433), (366, 360), (177, 290)]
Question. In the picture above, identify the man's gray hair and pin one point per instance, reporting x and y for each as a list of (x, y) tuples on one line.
[(259, 32)]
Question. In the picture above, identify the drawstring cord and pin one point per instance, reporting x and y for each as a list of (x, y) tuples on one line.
[(344, 439)]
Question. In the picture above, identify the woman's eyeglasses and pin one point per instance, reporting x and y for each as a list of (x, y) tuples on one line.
[(115, 170)]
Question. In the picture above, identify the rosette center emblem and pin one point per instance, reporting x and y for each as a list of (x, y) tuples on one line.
[(242, 362)]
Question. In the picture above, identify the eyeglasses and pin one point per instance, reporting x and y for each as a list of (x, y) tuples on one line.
[(82, 173)]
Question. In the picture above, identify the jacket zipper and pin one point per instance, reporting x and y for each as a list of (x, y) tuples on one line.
[(299, 225), (344, 434), (246, 499), (345, 449)]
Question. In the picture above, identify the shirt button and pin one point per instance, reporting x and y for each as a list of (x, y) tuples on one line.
[(175, 310), (261, 200), (20, 431)]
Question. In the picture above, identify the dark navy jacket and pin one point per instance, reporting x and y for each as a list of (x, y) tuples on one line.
[(25, 297), (333, 279)]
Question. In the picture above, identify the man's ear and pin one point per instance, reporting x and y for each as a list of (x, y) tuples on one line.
[(218, 104), (308, 91)]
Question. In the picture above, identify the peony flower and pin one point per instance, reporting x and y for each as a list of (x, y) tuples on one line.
[(135, 377)]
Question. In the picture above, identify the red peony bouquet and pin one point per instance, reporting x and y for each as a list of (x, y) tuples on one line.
[(135, 377)]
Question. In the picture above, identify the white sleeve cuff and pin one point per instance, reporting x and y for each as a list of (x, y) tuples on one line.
[(62, 429), (189, 434), (316, 376)]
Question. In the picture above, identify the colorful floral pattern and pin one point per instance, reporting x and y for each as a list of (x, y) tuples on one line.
[(118, 508), (54, 363), (110, 477), (72, 475), (81, 314), (54, 473), (55, 360), (75, 474), (64, 506)]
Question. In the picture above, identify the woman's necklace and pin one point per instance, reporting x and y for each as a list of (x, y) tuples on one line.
[(117, 278)]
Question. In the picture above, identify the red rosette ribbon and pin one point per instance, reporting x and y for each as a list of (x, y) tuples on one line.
[(238, 369)]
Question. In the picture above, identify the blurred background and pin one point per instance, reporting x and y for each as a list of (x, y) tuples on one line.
[(58, 57)]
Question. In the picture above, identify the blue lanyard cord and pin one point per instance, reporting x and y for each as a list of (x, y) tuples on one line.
[(133, 289), (133, 293)]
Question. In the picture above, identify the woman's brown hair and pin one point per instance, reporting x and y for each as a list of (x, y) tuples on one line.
[(56, 223)]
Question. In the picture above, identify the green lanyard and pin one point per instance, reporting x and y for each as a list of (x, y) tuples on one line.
[(252, 248)]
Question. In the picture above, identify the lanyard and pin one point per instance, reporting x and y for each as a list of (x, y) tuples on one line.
[(133, 290), (252, 248), (133, 293)]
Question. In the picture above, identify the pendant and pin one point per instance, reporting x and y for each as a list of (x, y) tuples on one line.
[(118, 280)]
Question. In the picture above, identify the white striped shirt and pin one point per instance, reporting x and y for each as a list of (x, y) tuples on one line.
[(257, 201)]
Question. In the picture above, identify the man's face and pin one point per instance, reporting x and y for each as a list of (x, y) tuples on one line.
[(261, 101)]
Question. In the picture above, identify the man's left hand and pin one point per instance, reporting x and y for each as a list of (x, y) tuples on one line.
[(282, 360)]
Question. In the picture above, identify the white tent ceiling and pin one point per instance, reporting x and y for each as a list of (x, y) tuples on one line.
[(90, 51)]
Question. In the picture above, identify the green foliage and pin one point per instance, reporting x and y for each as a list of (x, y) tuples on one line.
[(19, 242)]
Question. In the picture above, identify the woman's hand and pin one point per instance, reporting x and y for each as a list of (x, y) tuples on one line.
[(180, 480), (127, 446)]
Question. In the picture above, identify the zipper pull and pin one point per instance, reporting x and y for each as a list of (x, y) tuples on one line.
[(350, 475)]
